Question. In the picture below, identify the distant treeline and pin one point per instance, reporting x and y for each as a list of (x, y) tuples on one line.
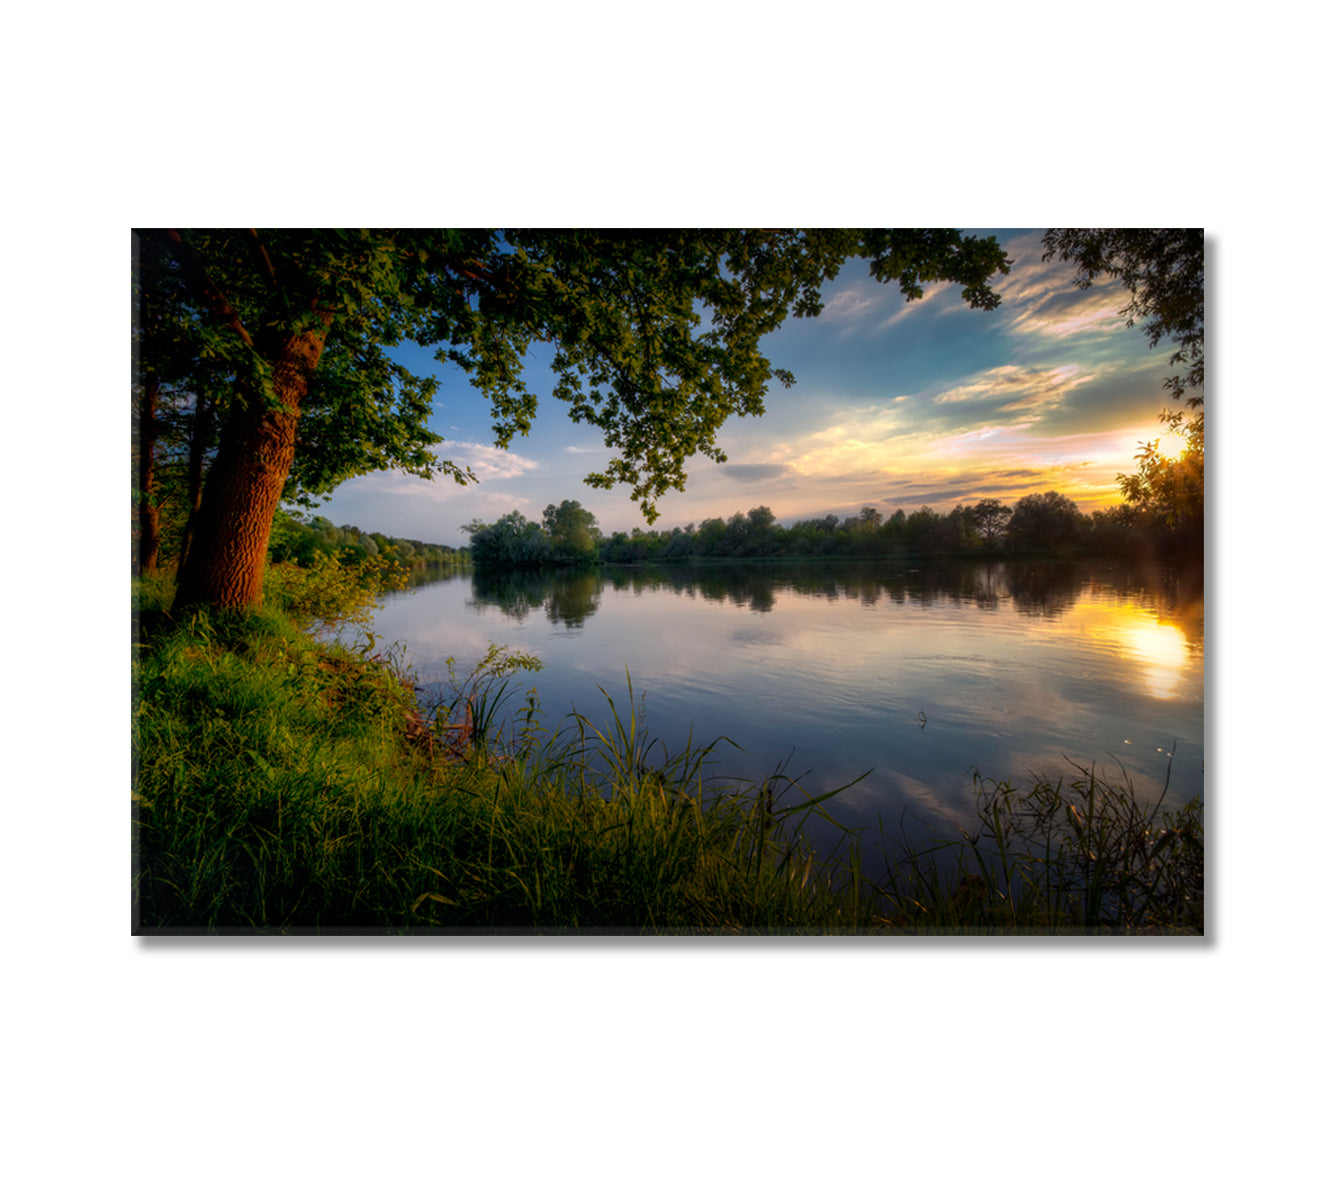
[(297, 541), (1041, 523), (1045, 523)]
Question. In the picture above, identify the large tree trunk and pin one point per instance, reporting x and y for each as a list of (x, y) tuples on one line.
[(229, 546), (150, 532)]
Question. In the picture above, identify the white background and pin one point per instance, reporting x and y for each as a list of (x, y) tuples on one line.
[(516, 1068)]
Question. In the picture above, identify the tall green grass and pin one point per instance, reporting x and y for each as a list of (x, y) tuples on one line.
[(283, 784)]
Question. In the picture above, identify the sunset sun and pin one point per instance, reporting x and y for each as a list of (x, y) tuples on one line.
[(1171, 444)]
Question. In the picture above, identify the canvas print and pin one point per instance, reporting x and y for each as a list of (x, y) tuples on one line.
[(668, 582)]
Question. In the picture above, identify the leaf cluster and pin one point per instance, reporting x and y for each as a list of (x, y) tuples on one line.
[(1166, 491), (1163, 269)]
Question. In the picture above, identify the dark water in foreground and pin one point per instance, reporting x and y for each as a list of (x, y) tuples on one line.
[(922, 675)]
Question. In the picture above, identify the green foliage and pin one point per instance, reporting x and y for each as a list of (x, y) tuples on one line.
[(331, 592), (629, 359), (568, 536), (1046, 521), (1163, 269), (362, 413), (573, 532), (990, 518), (296, 541), (152, 592), (282, 784), (474, 699), (1167, 493), (1166, 518), (512, 541)]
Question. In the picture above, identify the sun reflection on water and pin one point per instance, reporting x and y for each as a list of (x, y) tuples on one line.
[(1157, 648), (1163, 652)]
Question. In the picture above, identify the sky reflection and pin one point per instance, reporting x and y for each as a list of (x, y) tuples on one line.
[(925, 678)]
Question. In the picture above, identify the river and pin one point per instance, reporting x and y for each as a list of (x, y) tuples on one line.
[(925, 676)]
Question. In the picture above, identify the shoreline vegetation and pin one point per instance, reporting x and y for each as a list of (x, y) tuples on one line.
[(1041, 524), (1045, 525), (286, 784)]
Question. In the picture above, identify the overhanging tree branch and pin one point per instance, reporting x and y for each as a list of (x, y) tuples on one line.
[(212, 296)]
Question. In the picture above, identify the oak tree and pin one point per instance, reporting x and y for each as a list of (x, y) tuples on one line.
[(656, 337)]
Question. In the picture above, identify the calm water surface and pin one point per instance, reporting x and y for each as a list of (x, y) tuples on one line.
[(923, 676)]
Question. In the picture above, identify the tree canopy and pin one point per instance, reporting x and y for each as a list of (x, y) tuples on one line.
[(1163, 270), (573, 531), (656, 338), (1168, 491), (1044, 521)]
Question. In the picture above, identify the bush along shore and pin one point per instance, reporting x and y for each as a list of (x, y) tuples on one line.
[(287, 784)]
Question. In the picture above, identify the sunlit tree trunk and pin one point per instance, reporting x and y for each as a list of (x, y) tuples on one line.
[(150, 533), (225, 563)]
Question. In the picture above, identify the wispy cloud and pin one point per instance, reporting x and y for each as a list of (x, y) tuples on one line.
[(854, 303), (1041, 300), (1062, 315), (859, 439), (487, 462), (867, 307), (1020, 389)]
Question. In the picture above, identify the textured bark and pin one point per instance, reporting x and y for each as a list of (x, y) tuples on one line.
[(225, 563), (150, 533)]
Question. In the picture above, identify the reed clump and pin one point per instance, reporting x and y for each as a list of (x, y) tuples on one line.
[(1081, 854)]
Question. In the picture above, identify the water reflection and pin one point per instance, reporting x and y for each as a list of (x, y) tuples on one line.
[(1044, 589), (1150, 618), (568, 597), (574, 598), (1016, 667), (1156, 645), (1163, 650)]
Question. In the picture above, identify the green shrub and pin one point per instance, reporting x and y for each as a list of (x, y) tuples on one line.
[(330, 592)]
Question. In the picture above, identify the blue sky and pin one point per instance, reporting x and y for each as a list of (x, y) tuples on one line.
[(896, 405)]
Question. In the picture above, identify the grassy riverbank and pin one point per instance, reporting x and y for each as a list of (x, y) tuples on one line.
[(283, 784)]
